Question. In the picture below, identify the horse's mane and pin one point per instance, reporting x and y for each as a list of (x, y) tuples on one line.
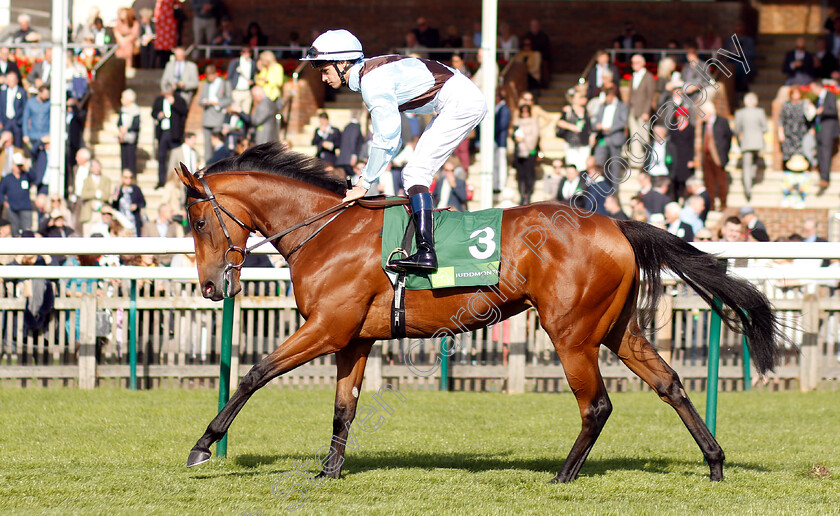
[(275, 158)]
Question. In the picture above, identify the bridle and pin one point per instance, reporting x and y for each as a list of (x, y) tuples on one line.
[(231, 265)]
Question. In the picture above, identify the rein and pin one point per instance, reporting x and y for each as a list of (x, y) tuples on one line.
[(230, 265)]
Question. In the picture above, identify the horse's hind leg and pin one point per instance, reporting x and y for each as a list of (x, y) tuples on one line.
[(350, 365), (584, 377), (638, 354)]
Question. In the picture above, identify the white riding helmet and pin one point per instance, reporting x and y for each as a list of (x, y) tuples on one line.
[(335, 45)]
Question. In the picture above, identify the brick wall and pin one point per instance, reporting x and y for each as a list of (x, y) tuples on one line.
[(576, 29)]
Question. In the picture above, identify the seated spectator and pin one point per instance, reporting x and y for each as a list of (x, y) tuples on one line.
[(220, 150), (127, 36), (54, 226), (229, 37), (695, 186), (254, 36), (413, 47), (56, 203), (270, 76), (147, 39), (450, 191), (613, 207), (459, 65), (163, 227), (427, 36), (704, 235), (297, 48), (129, 200), (691, 212), (627, 41), (25, 32), (654, 192), (674, 223), (533, 61), (732, 230), (542, 44), (14, 195), (453, 38), (755, 228), (508, 41), (825, 63)]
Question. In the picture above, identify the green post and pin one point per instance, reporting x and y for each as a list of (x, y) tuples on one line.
[(746, 358), (224, 366), (444, 366), (714, 365), (132, 335)]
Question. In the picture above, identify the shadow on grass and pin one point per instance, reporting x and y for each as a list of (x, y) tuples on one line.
[(473, 462)]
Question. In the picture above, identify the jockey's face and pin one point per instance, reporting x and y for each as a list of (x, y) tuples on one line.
[(329, 74)]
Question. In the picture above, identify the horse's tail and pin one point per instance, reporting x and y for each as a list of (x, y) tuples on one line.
[(751, 313)]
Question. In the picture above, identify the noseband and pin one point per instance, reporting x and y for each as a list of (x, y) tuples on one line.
[(231, 265)]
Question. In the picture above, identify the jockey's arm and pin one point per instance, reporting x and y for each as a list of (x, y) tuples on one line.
[(385, 117)]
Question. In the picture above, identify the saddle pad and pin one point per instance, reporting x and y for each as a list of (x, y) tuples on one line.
[(467, 245)]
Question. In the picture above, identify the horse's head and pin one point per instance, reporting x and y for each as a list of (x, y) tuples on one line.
[(218, 231)]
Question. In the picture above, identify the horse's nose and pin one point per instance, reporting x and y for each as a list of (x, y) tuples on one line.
[(209, 289)]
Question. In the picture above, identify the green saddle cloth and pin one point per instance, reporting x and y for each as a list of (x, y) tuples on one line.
[(468, 247)]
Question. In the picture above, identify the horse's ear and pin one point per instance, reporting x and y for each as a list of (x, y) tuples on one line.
[(187, 177)]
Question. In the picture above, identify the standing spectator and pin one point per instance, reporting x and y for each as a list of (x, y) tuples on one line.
[(675, 225), (809, 231), (166, 30), (236, 125), (659, 157), (595, 77), (750, 127), (185, 153), (747, 44), (129, 200), (96, 191), (450, 191), (575, 127), (38, 172), (36, 119), (75, 77), (570, 185), (526, 137), (533, 61), (147, 39), (170, 113), (182, 75), (827, 130), (798, 64), (793, 126), (508, 41), (691, 213), (76, 118), (428, 37), (326, 139), (229, 37), (612, 205), (100, 34), (264, 117), (640, 104), (39, 75), (653, 192), (825, 63), (215, 98), (13, 100), (241, 74), (128, 125), (754, 227), (220, 150), (270, 76), (163, 227), (14, 195), (174, 194), (717, 138), (55, 226), (681, 142), (695, 186), (80, 173), (541, 43), (127, 34), (8, 149), (254, 36), (610, 125), (204, 21), (502, 125), (351, 144)]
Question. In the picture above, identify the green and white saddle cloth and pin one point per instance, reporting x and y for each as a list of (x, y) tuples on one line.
[(468, 247)]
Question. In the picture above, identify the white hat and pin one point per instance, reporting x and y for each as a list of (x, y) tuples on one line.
[(17, 159), (335, 45)]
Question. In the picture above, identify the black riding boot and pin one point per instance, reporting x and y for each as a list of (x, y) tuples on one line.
[(424, 260)]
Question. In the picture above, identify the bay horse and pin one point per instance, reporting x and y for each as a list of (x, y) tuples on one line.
[(583, 279)]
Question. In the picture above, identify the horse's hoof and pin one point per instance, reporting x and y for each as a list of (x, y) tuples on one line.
[(198, 456)]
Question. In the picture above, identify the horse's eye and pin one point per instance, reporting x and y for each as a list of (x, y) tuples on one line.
[(199, 225)]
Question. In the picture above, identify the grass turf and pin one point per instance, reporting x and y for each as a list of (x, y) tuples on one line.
[(117, 452)]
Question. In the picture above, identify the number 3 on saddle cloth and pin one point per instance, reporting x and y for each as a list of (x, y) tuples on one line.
[(467, 244)]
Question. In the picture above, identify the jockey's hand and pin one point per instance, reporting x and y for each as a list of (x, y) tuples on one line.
[(357, 192)]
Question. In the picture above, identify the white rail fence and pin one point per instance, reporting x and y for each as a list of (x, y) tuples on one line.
[(84, 340)]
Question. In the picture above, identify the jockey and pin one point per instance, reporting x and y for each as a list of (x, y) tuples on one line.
[(392, 84)]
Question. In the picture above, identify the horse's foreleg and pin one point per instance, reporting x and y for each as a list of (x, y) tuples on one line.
[(350, 365), (637, 353), (584, 377), (310, 341)]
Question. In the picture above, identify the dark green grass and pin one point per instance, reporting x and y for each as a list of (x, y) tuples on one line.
[(118, 452)]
